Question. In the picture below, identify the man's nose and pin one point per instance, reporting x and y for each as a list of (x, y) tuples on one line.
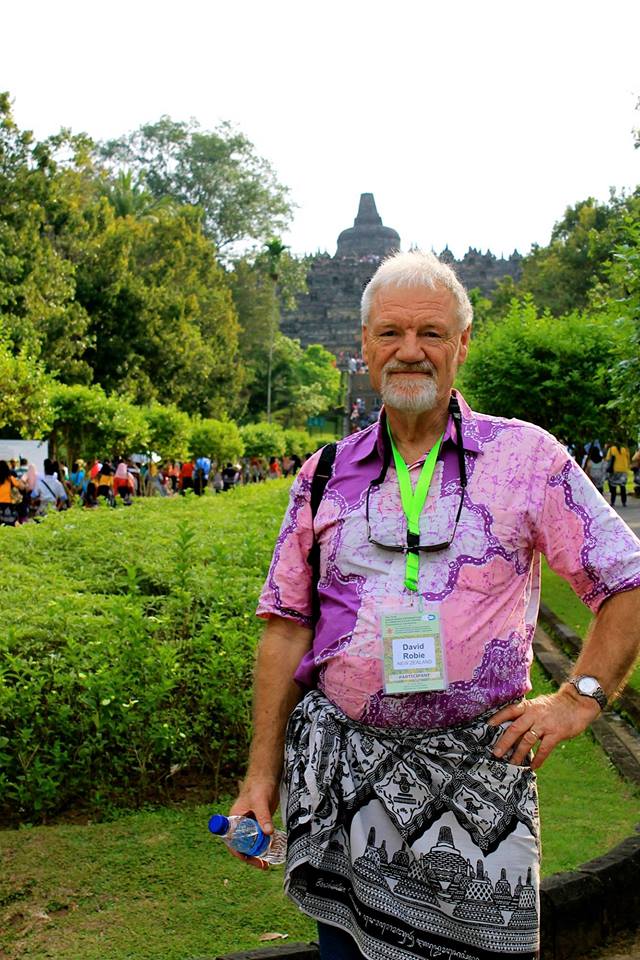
[(409, 350)]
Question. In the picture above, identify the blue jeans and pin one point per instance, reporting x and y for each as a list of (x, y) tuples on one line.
[(335, 944)]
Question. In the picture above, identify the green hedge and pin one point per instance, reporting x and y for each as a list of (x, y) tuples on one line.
[(127, 646)]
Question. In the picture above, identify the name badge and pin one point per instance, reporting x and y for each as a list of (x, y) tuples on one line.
[(413, 652)]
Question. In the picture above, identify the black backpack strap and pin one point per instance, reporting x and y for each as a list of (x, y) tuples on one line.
[(324, 469), (322, 475)]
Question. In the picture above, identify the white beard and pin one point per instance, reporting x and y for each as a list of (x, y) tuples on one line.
[(409, 394)]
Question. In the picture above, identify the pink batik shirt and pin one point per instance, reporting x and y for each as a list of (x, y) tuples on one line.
[(525, 497)]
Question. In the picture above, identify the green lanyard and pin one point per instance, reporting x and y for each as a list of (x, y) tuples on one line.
[(412, 504)]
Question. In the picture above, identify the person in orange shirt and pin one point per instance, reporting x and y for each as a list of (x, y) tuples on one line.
[(186, 475), (172, 474), (10, 490), (274, 469)]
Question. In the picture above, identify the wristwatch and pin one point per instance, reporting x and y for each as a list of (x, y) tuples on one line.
[(590, 687)]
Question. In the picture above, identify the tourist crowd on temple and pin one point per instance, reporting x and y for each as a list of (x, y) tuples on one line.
[(28, 494)]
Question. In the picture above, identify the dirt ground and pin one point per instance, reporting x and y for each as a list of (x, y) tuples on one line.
[(625, 947)]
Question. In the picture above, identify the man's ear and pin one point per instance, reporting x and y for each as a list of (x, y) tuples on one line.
[(464, 345), (365, 337)]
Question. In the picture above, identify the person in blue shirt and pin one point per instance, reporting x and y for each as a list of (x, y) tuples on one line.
[(201, 475), (76, 477)]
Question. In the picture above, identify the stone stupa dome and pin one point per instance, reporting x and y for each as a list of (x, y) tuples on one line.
[(368, 236)]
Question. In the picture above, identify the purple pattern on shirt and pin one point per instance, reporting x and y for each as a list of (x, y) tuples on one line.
[(525, 496), (504, 669), (298, 501)]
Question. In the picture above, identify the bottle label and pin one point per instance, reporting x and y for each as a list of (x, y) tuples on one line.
[(261, 844)]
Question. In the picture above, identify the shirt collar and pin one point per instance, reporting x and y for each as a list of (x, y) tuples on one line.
[(471, 436)]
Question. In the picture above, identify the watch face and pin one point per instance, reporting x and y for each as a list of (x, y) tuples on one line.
[(587, 685)]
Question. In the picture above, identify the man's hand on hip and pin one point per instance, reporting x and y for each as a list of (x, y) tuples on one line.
[(547, 720)]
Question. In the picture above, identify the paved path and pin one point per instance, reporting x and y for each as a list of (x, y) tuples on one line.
[(631, 513)]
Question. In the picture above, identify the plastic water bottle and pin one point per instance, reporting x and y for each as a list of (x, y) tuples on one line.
[(244, 835)]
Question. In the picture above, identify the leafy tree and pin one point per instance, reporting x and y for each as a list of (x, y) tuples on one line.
[(285, 378), (126, 429), (163, 323), (38, 198), (621, 306), (109, 274), (258, 294), (562, 275), (217, 171), (263, 440), (318, 370), (77, 419), (553, 372), (482, 308), (129, 198), (305, 383), (501, 298), (169, 431), (254, 298), (25, 406), (221, 440), (86, 422), (308, 382), (298, 441)]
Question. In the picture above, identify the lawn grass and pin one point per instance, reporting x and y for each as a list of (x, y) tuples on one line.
[(156, 886), (558, 595)]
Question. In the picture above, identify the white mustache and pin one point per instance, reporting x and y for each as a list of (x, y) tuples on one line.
[(394, 366)]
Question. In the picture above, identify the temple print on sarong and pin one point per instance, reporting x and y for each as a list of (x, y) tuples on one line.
[(443, 877), (454, 876)]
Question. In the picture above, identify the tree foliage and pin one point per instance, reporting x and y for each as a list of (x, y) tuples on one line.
[(263, 440), (217, 171), (110, 269), (259, 286), (162, 319), (304, 382), (620, 305), (555, 372), (25, 406), (169, 431), (38, 200), (298, 442), (220, 440), (87, 422), (562, 275)]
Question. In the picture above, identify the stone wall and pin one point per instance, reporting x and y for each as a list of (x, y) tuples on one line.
[(330, 313)]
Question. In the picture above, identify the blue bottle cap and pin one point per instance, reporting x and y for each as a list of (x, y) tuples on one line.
[(218, 824)]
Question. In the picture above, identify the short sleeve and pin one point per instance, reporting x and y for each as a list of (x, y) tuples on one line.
[(582, 537), (287, 591)]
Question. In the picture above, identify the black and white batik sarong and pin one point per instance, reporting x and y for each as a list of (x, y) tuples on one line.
[(419, 844)]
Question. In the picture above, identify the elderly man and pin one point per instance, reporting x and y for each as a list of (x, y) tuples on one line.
[(409, 786)]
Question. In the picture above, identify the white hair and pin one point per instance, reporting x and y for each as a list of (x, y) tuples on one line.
[(417, 269)]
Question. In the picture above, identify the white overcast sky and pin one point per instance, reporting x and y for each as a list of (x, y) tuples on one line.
[(473, 123)]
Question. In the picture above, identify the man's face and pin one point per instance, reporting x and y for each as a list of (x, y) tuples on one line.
[(413, 346)]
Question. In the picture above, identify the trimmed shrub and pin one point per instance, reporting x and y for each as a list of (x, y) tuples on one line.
[(263, 440), (128, 647)]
